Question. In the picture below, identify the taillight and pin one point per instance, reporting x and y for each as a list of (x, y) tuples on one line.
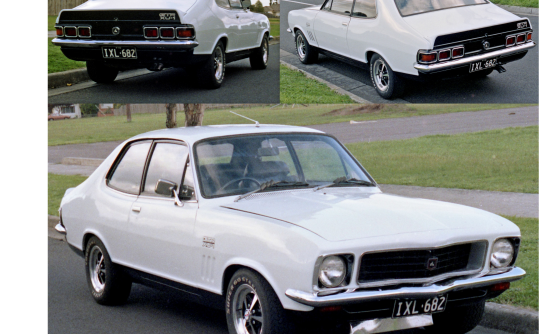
[(151, 32), (500, 287), (520, 39), (183, 32), (444, 55), (84, 32), (70, 31), (59, 31), (458, 52), (510, 40), (529, 36), (427, 58), (166, 33)]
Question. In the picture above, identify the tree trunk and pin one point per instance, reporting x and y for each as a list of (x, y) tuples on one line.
[(194, 114), (171, 115), (128, 112)]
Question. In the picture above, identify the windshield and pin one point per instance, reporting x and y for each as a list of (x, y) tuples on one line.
[(411, 7), (241, 164)]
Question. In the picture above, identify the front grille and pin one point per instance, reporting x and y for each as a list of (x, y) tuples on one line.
[(412, 264)]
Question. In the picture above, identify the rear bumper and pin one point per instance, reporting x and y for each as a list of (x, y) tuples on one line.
[(146, 45), (464, 62), (356, 297)]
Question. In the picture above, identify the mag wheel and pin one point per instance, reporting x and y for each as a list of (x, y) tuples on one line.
[(306, 53), (386, 82), (259, 58), (212, 73)]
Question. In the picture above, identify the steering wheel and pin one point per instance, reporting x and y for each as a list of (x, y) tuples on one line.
[(228, 184)]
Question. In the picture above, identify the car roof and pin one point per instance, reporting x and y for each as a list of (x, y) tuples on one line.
[(193, 134)]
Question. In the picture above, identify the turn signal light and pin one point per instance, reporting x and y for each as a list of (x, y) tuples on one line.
[(70, 31), (529, 36), (520, 39), (458, 52), (151, 32), (84, 32), (500, 287), (59, 31), (185, 32), (428, 57), (166, 33), (510, 40)]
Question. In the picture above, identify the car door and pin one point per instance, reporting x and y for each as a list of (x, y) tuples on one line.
[(160, 236), (231, 22), (362, 32), (246, 26), (331, 25)]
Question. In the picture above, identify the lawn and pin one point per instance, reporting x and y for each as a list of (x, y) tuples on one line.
[(58, 62), (521, 3), (51, 22), (98, 129), (57, 187), (496, 160), (295, 86), (274, 27)]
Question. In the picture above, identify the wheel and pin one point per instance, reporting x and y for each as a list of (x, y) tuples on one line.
[(386, 82), (108, 284), (212, 72), (100, 72), (306, 53), (259, 58), (458, 320), (253, 308)]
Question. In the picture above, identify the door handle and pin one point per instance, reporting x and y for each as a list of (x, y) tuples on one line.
[(136, 209), (344, 23)]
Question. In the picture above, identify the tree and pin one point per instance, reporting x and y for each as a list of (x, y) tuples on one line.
[(128, 112), (170, 111), (89, 109), (194, 114), (257, 7)]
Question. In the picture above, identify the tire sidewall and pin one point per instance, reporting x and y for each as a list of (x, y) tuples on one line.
[(219, 46), (107, 260), (299, 34), (391, 77), (265, 43), (240, 278)]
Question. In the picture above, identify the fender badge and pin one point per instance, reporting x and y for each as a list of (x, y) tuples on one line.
[(167, 16), (208, 242), (115, 30)]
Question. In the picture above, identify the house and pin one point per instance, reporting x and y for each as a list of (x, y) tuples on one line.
[(72, 110), (273, 9)]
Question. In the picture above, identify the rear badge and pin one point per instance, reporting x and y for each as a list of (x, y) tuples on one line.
[(167, 16), (486, 45), (521, 25), (115, 30)]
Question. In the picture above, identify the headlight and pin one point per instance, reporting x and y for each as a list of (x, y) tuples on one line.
[(502, 253), (332, 271)]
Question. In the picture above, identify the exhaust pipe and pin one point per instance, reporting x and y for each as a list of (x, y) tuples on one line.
[(156, 67), (500, 69)]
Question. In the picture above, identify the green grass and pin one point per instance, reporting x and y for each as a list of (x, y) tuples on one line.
[(274, 27), (57, 187), (497, 160), (99, 129), (295, 86), (58, 62), (524, 293), (51, 22), (521, 3)]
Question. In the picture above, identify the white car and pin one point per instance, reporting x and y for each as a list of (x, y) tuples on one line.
[(198, 35), (283, 228), (411, 39)]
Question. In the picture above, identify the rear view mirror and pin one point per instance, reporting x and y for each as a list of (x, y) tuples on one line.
[(165, 187), (246, 3)]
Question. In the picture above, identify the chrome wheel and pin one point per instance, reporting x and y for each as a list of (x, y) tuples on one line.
[(380, 74), (265, 51), (96, 269), (301, 46), (248, 317), (218, 63)]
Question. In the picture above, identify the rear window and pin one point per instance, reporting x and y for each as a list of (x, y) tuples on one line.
[(412, 7)]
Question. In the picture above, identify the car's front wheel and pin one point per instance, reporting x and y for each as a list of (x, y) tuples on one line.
[(108, 283), (212, 72), (253, 307), (259, 58), (101, 72), (458, 320), (306, 53), (386, 82)]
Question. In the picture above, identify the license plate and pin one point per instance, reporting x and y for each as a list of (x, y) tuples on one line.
[(483, 65), (119, 52), (409, 307)]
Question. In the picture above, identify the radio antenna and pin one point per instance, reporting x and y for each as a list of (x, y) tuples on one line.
[(256, 122)]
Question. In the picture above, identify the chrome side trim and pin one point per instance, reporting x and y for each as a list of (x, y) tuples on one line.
[(465, 61), (60, 229), (312, 299), (170, 44)]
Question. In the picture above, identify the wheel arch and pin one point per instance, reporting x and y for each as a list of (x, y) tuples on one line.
[(221, 38)]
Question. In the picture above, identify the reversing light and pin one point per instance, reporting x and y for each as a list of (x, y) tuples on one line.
[(84, 32), (151, 33), (458, 52), (70, 31), (510, 40), (529, 36), (520, 39), (183, 32), (444, 55), (59, 31), (166, 32)]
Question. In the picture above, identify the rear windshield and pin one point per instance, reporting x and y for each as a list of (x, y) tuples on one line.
[(411, 7)]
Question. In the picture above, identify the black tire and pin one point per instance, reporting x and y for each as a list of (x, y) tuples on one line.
[(259, 58), (111, 286), (244, 286), (100, 72), (458, 320), (208, 73), (386, 82), (305, 52)]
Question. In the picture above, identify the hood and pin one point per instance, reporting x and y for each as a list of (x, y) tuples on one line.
[(448, 21), (179, 5), (339, 216)]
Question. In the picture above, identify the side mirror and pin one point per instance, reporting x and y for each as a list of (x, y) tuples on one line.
[(186, 192), (165, 187), (246, 3)]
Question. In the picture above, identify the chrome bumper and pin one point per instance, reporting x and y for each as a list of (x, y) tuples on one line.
[(147, 45), (312, 299), (429, 68), (60, 229)]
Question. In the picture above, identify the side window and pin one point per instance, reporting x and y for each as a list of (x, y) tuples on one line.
[(128, 173), (236, 4), (327, 5), (167, 163), (342, 6), (223, 3), (365, 8)]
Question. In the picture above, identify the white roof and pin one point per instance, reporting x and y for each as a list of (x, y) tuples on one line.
[(193, 134)]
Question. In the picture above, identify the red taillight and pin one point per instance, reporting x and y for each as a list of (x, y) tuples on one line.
[(151, 32), (59, 31), (427, 57), (185, 32), (500, 287), (444, 55), (458, 52), (520, 39), (331, 309), (510, 40), (166, 32), (70, 31), (529, 36), (84, 32)]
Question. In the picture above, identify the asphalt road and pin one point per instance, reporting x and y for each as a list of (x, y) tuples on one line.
[(518, 85), (72, 309), (241, 85)]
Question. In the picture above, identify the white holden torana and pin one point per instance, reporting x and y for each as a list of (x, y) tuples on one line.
[(198, 35), (411, 39), (283, 228)]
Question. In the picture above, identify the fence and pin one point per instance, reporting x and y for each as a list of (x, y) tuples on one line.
[(55, 6)]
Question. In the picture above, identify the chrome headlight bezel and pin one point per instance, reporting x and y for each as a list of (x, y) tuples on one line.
[(347, 261), (511, 243)]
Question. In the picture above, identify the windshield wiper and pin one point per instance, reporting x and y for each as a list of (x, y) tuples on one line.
[(273, 184), (345, 180)]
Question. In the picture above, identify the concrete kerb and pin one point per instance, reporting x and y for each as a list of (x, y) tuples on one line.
[(82, 161), (520, 10)]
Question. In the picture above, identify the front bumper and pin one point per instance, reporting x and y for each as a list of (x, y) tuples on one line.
[(461, 62), (356, 297), (145, 45)]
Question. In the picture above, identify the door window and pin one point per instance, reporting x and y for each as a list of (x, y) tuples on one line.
[(128, 172), (342, 6), (327, 5), (365, 8), (167, 163)]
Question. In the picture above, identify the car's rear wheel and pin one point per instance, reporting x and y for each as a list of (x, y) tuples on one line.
[(101, 72), (108, 283), (386, 82), (458, 320), (212, 72), (305, 52), (253, 307), (259, 58)]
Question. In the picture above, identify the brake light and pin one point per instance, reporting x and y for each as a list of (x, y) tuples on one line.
[(182, 32), (70, 31), (151, 32), (529, 36), (59, 31), (444, 55), (84, 32), (510, 40), (520, 39), (458, 52), (167, 33)]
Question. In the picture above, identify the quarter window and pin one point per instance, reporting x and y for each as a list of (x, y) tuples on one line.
[(167, 163), (365, 8), (327, 5), (128, 172), (223, 3), (342, 6)]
